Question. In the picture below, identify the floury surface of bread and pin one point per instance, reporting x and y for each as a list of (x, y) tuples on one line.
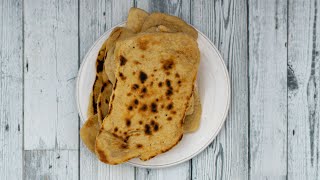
[(155, 75)]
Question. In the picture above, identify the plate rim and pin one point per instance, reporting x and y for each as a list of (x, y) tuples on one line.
[(225, 114)]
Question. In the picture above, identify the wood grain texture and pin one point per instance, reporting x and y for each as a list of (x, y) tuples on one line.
[(303, 90), (60, 164), (51, 66), (268, 89), (225, 24), (11, 94), (182, 9), (96, 17)]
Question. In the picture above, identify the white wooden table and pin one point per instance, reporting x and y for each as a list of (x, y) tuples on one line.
[(271, 49)]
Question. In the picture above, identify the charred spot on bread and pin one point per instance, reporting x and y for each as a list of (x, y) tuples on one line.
[(167, 64), (129, 94), (139, 145), (99, 66), (115, 84), (152, 122), (128, 122), (154, 107), (107, 102), (160, 84), (170, 106), (103, 87), (136, 102), (177, 75), (124, 146), (140, 122), (122, 76), (123, 61), (143, 76), (156, 127), (144, 107), (130, 108), (169, 92), (147, 129), (135, 86), (168, 83), (144, 90), (169, 118), (94, 105), (115, 129)]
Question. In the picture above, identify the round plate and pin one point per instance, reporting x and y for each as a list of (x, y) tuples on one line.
[(214, 88)]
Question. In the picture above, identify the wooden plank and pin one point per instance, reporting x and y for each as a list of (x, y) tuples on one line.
[(181, 9), (268, 89), (51, 66), (45, 164), (96, 17), (11, 85), (303, 90), (225, 24)]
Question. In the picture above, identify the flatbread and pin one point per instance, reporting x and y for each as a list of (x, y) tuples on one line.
[(89, 131), (155, 75), (135, 19), (100, 80), (118, 34), (103, 101), (171, 22), (192, 122)]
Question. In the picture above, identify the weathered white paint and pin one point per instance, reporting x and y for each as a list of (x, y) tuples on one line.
[(58, 164), (303, 90), (51, 66), (95, 18), (225, 23), (268, 89), (11, 94), (181, 9)]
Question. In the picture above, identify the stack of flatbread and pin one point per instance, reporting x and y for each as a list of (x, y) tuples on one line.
[(144, 97)]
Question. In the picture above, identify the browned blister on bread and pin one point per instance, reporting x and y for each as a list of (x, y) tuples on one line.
[(155, 75)]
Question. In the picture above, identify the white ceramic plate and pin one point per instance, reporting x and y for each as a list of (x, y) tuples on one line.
[(214, 89)]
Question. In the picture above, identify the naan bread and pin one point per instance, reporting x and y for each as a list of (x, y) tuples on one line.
[(173, 23), (135, 19), (155, 75)]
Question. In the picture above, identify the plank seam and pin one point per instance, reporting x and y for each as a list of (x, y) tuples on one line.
[(23, 98), (248, 75), (79, 120), (287, 87)]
